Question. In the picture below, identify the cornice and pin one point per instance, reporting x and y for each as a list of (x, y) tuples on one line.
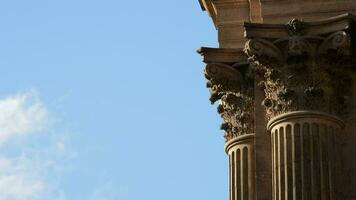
[(212, 7), (208, 6)]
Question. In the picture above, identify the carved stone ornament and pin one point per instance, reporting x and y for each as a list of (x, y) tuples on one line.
[(303, 69), (233, 86), (295, 27)]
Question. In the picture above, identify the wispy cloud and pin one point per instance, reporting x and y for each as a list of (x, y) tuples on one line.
[(110, 191), (30, 152)]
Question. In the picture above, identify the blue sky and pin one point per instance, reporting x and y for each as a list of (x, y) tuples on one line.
[(106, 100)]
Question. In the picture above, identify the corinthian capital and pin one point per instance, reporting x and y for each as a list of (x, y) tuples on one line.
[(230, 81), (305, 65)]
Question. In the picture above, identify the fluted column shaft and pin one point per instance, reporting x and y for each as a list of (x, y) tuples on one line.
[(241, 167), (303, 155)]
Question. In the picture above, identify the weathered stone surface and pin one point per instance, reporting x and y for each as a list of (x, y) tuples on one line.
[(300, 77), (232, 85), (231, 82), (241, 167), (306, 66), (305, 155), (228, 15)]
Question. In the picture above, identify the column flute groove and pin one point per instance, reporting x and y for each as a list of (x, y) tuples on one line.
[(301, 157), (242, 172)]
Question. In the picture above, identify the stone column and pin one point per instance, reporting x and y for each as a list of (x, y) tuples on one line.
[(306, 71), (303, 152), (231, 84), (241, 167)]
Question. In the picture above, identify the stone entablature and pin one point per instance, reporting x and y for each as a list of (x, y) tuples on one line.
[(228, 15)]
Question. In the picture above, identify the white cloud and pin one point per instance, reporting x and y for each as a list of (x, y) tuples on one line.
[(21, 114), (27, 168), (17, 182)]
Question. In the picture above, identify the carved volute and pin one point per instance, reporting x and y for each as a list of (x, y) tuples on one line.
[(306, 66)]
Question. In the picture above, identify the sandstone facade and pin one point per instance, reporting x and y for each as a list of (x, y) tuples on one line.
[(284, 78)]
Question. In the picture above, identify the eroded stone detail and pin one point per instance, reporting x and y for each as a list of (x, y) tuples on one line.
[(295, 27), (303, 72), (233, 86)]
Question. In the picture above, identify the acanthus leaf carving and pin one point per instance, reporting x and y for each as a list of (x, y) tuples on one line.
[(221, 79), (303, 72), (233, 86)]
